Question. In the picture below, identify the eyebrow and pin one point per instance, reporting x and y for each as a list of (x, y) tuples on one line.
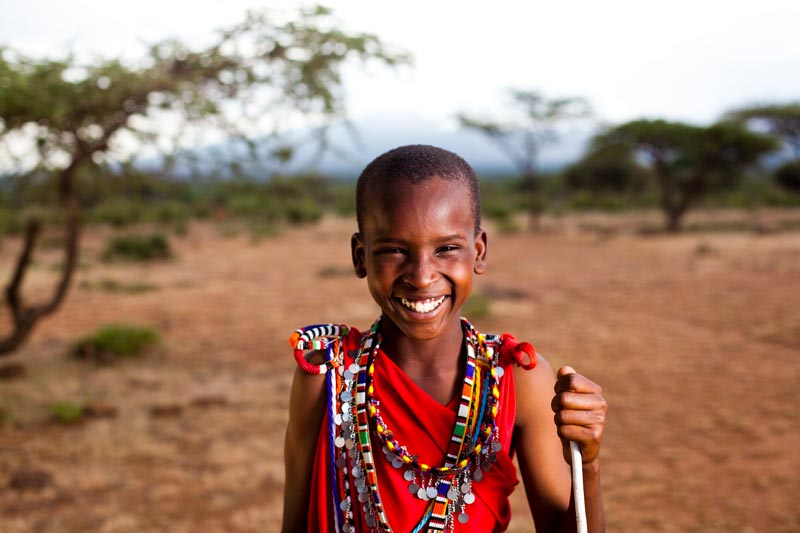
[(445, 238)]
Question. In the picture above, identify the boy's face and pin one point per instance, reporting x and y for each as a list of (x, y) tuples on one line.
[(419, 251)]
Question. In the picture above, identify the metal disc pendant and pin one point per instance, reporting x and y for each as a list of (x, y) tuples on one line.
[(413, 488), (343, 505), (397, 462), (362, 497), (337, 419), (469, 498), (486, 466), (370, 519), (477, 475), (357, 473), (464, 488), (431, 492), (353, 368), (408, 475), (422, 494), (498, 371), (496, 446), (348, 443), (463, 518), (341, 461), (346, 396), (452, 494), (338, 442), (347, 374)]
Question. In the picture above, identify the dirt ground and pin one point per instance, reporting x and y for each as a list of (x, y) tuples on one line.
[(695, 339)]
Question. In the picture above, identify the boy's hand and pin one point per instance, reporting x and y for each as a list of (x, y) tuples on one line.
[(580, 413)]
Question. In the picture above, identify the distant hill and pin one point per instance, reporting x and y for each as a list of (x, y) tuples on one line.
[(352, 148), (376, 135)]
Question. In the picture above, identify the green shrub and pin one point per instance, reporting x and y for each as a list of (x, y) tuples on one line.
[(67, 412), (115, 341), (788, 176), (477, 306), (117, 212), (112, 285), (303, 210), (137, 248)]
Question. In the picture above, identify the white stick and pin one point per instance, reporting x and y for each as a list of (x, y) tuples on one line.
[(577, 487)]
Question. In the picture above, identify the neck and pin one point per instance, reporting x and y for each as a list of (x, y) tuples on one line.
[(435, 365)]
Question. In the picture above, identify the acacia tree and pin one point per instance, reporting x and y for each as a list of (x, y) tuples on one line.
[(535, 125), (71, 113), (688, 160), (782, 120)]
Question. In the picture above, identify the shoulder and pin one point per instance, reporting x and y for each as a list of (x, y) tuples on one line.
[(533, 391)]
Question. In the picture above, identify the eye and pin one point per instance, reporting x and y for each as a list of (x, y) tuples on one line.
[(389, 251), (448, 249)]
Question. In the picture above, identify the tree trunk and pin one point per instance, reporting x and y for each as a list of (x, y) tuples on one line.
[(531, 180), (25, 318)]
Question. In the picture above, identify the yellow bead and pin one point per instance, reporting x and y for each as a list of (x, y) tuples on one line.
[(390, 445), (424, 467), (406, 459)]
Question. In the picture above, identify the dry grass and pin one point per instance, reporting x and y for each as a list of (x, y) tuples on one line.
[(695, 339)]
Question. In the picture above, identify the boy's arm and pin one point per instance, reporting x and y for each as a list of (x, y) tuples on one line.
[(543, 455), (306, 411)]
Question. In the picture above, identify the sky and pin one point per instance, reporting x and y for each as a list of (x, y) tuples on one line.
[(678, 60)]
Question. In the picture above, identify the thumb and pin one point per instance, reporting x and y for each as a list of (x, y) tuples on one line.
[(565, 371)]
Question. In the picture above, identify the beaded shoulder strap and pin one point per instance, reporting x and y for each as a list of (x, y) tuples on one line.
[(318, 337)]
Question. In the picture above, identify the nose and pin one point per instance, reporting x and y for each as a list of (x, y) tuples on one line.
[(421, 271)]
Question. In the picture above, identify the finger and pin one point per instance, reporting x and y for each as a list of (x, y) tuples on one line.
[(575, 382), (585, 436), (580, 401), (579, 418), (565, 370)]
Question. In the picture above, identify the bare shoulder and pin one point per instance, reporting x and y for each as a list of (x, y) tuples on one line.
[(533, 390)]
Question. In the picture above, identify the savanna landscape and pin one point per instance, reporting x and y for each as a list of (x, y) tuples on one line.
[(694, 336)]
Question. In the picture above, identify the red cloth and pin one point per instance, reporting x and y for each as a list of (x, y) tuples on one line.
[(425, 427)]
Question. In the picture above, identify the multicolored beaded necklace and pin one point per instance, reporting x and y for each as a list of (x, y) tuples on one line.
[(472, 449)]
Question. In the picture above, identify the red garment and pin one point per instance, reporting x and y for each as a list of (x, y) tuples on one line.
[(425, 427)]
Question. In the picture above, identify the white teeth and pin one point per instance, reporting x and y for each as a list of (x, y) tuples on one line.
[(423, 306)]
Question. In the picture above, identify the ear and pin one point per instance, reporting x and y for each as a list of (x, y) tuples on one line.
[(480, 252), (358, 254)]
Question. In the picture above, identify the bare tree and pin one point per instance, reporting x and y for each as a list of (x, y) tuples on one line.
[(522, 139)]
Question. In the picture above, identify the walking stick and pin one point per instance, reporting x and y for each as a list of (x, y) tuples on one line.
[(577, 487)]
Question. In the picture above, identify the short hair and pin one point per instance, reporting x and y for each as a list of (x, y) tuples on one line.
[(415, 164)]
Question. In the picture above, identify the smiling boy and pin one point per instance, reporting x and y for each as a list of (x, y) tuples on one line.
[(422, 415)]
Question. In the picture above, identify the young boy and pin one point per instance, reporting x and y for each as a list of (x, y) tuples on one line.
[(421, 415)]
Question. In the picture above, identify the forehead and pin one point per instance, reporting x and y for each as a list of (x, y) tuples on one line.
[(434, 206)]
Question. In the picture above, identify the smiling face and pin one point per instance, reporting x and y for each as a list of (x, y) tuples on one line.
[(419, 251)]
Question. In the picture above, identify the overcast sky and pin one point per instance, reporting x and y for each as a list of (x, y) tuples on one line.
[(681, 60)]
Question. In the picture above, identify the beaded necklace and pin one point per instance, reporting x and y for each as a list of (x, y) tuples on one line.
[(472, 449)]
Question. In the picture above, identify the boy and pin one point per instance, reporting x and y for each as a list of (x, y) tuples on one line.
[(421, 415)]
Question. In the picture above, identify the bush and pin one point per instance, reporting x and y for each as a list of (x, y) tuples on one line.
[(116, 212), (303, 210), (115, 341), (477, 306), (788, 176), (67, 412), (138, 248)]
